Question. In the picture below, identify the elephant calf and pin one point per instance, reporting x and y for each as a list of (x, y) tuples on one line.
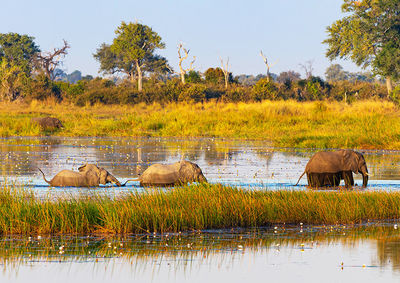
[(179, 173), (89, 175), (327, 168)]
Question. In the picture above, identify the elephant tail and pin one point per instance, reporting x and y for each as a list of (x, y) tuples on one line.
[(130, 180), (44, 177), (300, 178)]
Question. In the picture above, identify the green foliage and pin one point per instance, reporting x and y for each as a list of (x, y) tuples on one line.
[(132, 52), (12, 80), (214, 76), (265, 89), (193, 77), (368, 34), (18, 50), (193, 93), (42, 88)]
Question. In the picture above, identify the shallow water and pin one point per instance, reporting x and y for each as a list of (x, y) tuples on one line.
[(253, 164), (279, 254)]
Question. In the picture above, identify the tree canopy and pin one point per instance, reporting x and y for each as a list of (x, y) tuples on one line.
[(369, 35), (18, 50), (132, 52)]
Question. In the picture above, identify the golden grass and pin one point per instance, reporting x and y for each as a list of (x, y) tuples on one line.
[(196, 207), (363, 124)]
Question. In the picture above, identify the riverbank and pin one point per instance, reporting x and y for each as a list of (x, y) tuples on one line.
[(363, 124), (197, 207)]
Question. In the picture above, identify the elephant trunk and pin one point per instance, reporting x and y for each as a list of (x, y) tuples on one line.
[(365, 179), (111, 178), (202, 179)]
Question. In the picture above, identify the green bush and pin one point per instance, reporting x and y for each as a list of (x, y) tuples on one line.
[(265, 89)]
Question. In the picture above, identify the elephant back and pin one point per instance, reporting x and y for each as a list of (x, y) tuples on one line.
[(160, 174), (325, 162)]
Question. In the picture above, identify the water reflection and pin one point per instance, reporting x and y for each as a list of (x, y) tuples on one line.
[(336, 249), (234, 162)]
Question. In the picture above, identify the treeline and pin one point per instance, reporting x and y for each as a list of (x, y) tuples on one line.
[(27, 73)]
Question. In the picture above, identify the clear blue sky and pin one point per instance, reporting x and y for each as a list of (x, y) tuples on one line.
[(288, 31)]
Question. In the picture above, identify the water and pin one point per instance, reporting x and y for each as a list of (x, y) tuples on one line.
[(248, 164), (281, 254), (277, 254)]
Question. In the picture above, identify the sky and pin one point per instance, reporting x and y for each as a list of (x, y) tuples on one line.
[(289, 32)]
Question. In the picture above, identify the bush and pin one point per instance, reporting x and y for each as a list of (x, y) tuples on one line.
[(265, 89), (193, 93)]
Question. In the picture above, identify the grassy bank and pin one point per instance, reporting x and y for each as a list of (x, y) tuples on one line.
[(364, 124), (189, 208)]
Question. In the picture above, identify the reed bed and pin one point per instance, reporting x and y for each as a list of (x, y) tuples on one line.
[(364, 124), (196, 207)]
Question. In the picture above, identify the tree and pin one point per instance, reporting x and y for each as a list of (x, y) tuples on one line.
[(49, 61), (335, 73), (369, 35), (132, 51), (267, 64), (182, 70), (225, 70), (288, 77), (18, 50), (214, 76), (12, 78)]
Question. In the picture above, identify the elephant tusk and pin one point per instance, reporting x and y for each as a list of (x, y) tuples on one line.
[(368, 174)]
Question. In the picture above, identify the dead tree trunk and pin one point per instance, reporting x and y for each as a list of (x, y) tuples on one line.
[(267, 64), (139, 74), (48, 61), (225, 70), (181, 59)]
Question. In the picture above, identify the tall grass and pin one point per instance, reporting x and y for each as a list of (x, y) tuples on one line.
[(363, 124), (188, 208)]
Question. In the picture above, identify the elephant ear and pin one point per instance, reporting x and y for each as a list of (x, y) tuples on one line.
[(185, 172), (83, 168), (350, 161), (103, 176)]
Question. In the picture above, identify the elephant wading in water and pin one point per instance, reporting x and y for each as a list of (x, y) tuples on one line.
[(327, 168), (179, 173), (89, 175)]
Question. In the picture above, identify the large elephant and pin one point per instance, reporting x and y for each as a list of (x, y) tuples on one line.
[(89, 175), (327, 168), (179, 173)]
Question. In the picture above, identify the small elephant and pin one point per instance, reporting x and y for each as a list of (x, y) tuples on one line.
[(89, 175), (178, 173), (48, 123), (327, 168)]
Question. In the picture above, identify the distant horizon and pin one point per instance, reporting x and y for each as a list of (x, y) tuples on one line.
[(289, 33)]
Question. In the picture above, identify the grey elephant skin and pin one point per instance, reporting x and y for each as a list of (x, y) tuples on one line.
[(48, 123), (179, 173), (327, 168), (89, 175)]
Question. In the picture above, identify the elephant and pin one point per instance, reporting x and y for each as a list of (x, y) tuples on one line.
[(327, 168), (48, 123), (179, 173), (89, 175)]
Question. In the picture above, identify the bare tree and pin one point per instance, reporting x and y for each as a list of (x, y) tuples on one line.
[(225, 70), (181, 59), (48, 61), (267, 64), (308, 68)]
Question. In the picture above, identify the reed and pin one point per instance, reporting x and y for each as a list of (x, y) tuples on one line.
[(364, 124), (196, 207)]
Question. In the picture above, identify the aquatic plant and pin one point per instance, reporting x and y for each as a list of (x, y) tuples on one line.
[(190, 208)]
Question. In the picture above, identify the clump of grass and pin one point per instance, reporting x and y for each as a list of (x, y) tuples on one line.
[(189, 208), (364, 124)]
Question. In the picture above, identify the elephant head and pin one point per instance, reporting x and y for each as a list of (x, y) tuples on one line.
[(102, 175), (190, 172), (354, 161)]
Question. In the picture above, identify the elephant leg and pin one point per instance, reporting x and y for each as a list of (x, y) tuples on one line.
[(315, 180), (348, 179)]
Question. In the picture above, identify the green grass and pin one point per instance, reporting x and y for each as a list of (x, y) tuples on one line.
[(363, 124), (189, 208)]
